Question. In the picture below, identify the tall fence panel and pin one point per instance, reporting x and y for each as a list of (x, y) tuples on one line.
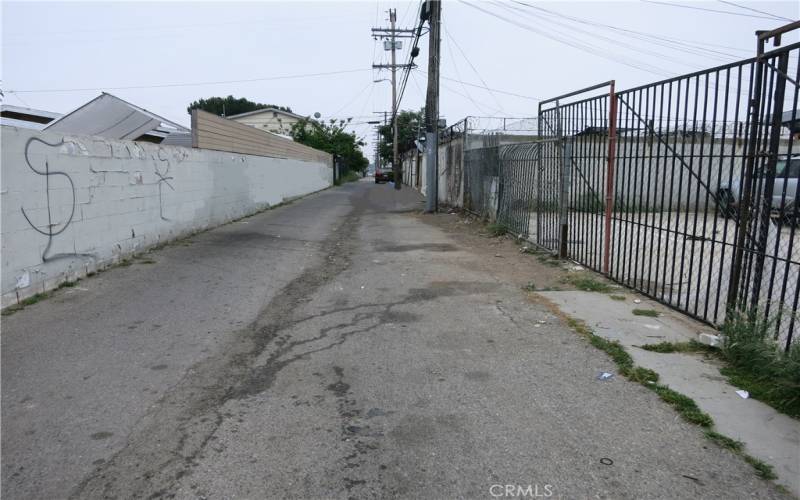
[(699, 211)]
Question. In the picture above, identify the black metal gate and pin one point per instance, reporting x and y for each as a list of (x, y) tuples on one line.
[(694, 205)]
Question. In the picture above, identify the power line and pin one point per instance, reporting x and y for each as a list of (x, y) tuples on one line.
[(190, 84), (492, 89), (756, 10), (771, 17), (354, 98), (688, 46), (458, 73), (603, 37), (464, 55), (414, 46), (575, 44)]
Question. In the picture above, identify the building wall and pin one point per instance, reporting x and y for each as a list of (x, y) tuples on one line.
[(109, 199), (271, 121)]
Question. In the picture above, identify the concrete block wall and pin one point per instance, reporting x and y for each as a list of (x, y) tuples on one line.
[(105, 200)]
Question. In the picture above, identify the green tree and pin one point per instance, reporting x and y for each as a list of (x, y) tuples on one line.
[(409, 125), (230, 106), (332, 138)]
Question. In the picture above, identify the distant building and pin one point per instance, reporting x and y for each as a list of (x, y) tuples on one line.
[(113, 118), (16, 116), (269, 119), (104, 116)]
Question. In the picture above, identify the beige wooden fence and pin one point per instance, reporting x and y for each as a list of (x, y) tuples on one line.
[(213, 132)]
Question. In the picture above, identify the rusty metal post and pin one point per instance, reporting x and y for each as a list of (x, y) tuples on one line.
[(732, 301), (612, 150), (566, 183)]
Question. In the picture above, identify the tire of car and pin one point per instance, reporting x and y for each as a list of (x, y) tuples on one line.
[(726, 204)]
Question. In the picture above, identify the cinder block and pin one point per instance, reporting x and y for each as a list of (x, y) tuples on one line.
[(710, 339)]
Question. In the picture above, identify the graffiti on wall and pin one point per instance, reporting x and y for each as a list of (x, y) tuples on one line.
[(51, 228)]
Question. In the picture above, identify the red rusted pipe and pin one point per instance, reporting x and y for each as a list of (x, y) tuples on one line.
[(612, 149)]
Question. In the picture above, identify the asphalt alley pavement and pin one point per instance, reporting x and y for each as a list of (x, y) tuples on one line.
[(336, 347)]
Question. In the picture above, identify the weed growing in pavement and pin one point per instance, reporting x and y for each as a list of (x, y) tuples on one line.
[(763, 470), (587, 283), (617, 297), (667, 347), (753, 362), (530, 287), (496, 229), (684, 405), (724, 441), (652, 313), (757, 363)]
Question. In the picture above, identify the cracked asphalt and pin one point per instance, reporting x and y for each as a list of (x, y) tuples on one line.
[(341, 346)]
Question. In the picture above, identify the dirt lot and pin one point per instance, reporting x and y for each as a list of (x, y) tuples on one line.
[(512, 260)]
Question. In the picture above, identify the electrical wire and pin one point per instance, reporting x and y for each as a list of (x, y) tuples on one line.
[(458, 73), (492, 89), (348, 103), (418, 29), (708, 10), (189, 84), (660, 40), (598, 36), (464, 55), (756, 10), (575, 44)]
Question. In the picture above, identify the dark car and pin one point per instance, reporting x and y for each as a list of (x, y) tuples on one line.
[(384, 175)]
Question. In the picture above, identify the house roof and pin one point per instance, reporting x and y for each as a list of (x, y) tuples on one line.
[(7, 108), (265, 110), (111, 117)]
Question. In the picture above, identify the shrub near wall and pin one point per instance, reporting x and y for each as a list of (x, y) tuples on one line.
[(73, 204)]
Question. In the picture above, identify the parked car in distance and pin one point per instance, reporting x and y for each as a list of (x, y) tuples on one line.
[(384, 175), (787, 173)]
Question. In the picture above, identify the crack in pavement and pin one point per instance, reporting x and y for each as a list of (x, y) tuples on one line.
[(169, 439)]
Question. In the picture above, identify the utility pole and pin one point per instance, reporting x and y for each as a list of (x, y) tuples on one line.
[(398, 169), (391, 35), (434, 14)]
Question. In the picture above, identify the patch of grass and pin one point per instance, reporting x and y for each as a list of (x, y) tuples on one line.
[(667, 347), (125, 262), (617, 297), (587, 283), (33, 299), (763, 470), (651, 313), (67, 284), (548, 260), (146, 261), (724, 441), (758, 365), (530, 287), (684, 405), (496, 229)]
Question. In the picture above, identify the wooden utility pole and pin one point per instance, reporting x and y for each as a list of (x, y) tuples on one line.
[(391, 35), (432, 107), (398, 169)]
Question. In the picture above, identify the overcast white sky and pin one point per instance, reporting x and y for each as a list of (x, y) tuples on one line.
[(53, 47)]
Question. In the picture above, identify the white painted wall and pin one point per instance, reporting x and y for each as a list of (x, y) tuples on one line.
[(125, 197)]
